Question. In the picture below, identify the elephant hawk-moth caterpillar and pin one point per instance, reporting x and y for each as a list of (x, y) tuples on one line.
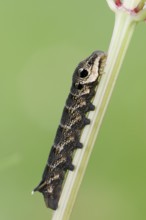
[(85, 81)]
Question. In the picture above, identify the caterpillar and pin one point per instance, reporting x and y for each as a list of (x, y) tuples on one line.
[(85, 81)]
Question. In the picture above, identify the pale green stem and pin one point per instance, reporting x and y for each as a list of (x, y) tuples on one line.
[(124, 26)]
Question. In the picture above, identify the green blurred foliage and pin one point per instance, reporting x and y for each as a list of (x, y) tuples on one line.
[(41, 44)]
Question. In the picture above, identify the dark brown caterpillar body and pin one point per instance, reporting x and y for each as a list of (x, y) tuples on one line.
[(85, 80)]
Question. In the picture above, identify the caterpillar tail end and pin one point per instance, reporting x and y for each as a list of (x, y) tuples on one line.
[(50, 201)]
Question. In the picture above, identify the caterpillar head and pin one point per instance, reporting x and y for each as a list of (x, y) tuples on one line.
[(89, 69)]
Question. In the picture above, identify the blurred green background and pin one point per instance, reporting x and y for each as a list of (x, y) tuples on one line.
[(41, 44)]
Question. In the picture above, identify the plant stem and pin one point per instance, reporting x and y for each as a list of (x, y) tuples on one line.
[(123, 30)]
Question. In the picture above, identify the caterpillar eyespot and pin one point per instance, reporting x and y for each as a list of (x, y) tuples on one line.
[(83, 73), (86, 78)]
